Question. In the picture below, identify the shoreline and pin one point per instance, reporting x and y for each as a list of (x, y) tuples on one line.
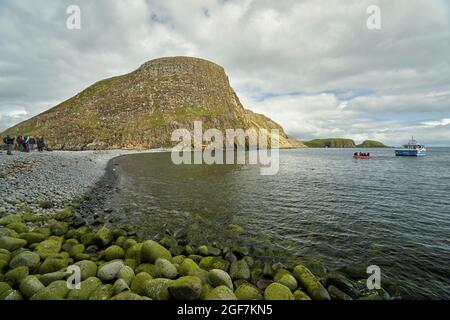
[(83, 223)]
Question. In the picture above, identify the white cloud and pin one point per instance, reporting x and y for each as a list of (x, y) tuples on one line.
[(323, 71)]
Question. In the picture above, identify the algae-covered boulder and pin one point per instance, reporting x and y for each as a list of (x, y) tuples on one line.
[(48, 278), (146, 267), (312, 285), (152, 250), (219, 277), (157, 289), (4, 287), (88, 269), (87, 287), (128, 295), (221, 293), (33, 237), (209, 263), (277, 291), (337, 294), (25, 258), (59, 228), (54, 263), (110, 270), (49, 247), (134, 252), (126, 274), (341, 282), (11, 295), (139, 282), (165, 269), (188, 266), (18, 227), (103, 237), (11, 244), (16, 275), (289, 281), (103, 292), (240, 270), (6, 232), (247, 291), (54, 291), (30, 285), (186, 288), (119, 286), (300, 295), (76, 249), (113, 252)]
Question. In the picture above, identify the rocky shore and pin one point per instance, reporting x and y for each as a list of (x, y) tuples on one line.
[(38, 243)]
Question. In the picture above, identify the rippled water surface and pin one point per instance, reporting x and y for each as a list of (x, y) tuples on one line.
[(389, 211)]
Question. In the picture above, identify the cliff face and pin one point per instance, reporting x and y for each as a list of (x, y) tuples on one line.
[(141, 109)]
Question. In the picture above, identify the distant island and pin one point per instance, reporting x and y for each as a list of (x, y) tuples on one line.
[(342, 143)]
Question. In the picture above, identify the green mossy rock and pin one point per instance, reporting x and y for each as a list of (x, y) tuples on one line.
[(186, 288), (103, 237), (88, 269), (134, 252), (152, 250), (337, 294), (11, 244), (209, 263), (178, 259), (33, 237), (126, 274), (219, 277), (18, 227), (165, 269), (88, 238), (300, 295), (120, 241), (372, 296), (128, 295), (277, 291), (6, 232), (59, 228), (131, 263), (247, 291), (11, 218), (139, 282), (110, 270), (76, 249), (113, 252), (16, 275), (42, 230), (49, 247), (25, 258), (120, 286), (188, 266), (312, 285), (4, 287), (49, 278), (128, 244), (203, 250), (289, 281), (103, 292), (221, 293), (240, 270), (30, 285), (157, 289), (11, 295), (57, 290), (87, 287), (146, 267), (3, 266), (54, 263), (341, 282)]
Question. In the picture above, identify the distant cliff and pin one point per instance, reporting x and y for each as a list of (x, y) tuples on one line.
[(342, 143), (141, 109)]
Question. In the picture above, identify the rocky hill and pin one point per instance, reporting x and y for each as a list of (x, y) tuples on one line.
[(331, 143), (141, 109), (371, 144)]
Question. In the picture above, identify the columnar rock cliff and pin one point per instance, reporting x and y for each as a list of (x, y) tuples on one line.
[(141, 109)]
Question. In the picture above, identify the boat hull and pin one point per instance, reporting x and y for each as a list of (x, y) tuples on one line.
[(410, 153), (362, 157)]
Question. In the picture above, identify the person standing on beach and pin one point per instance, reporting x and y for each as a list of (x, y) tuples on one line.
[(40, 144), (19, 143), (32, 142), (9, 141), (26, 141)]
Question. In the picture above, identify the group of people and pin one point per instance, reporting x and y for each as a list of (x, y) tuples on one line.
[(23, 143), (361, 154)]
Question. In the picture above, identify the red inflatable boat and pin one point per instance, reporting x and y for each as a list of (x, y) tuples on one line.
[(362, 157)]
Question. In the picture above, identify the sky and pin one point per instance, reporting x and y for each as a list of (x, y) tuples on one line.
[(313, 66)]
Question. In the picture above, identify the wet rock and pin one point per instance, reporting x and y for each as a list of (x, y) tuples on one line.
[(337, 294), (87, 288), (109, 271), (221, 293), (139, 282), (152, 250), (15, 276), (240, 270), (277, 291), (157, 289), (30, 285), (126, 274), (300, 295), (186, 288), (247, 291), (113, 252), (88, 269), (103, 237), (165, 269), (219, 277), (313, 286), (25, 258), (11, 244)]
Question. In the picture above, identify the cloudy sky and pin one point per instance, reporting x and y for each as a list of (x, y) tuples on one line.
[(313, 66)]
